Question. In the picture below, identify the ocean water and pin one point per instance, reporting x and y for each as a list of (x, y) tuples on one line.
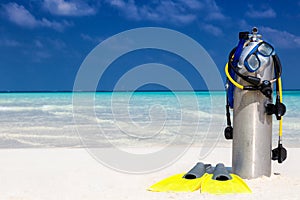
[(140, 119)]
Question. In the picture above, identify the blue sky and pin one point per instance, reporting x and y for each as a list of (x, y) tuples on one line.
[(44, 42)]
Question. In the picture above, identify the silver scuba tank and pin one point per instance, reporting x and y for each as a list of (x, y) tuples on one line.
[(252, 132)]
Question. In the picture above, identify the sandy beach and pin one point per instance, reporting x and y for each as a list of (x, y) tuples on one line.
[(62, 173), (100, 100), (43, 157)]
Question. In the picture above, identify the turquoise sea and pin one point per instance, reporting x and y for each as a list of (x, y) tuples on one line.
[(140, 119)]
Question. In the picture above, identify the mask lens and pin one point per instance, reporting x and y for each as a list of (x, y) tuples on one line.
[(253, 62), (265, 49)]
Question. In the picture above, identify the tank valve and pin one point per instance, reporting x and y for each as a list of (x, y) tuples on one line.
[(254, 36)]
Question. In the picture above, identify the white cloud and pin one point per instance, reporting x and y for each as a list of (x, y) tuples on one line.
[(56, 43), (68, 8), (19, 15), (280, 38), (59, 26), (39, 55), (117, 3), (89, 38), (167, 10), (212, 29), (260, 13), (9, 42), (42, 55), (86, 37), (193, 4), (176, 12), (243, 24), (43, 48), (38, 44), (170, 11), (128, 8), (162, 11), (214, 11)]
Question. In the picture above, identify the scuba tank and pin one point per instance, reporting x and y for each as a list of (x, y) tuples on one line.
[(252, 70)]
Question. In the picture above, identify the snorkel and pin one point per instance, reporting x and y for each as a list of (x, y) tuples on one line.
[(252, 69)]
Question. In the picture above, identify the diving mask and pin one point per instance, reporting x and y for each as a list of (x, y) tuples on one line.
[(252, 61)]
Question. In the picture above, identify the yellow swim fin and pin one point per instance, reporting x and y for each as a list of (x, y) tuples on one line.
[(185, 182), (221, 182)]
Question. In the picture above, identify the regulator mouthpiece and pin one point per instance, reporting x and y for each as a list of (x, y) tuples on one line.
[(278, 109), (228, 132), (266, 88), (279, 154)]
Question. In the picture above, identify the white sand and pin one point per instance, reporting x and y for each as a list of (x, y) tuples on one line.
[(60, 174)]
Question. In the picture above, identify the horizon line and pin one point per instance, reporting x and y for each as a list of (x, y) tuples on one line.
[(71, 91)]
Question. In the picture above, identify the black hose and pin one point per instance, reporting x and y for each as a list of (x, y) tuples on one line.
[(250, 79), (227, 107)]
